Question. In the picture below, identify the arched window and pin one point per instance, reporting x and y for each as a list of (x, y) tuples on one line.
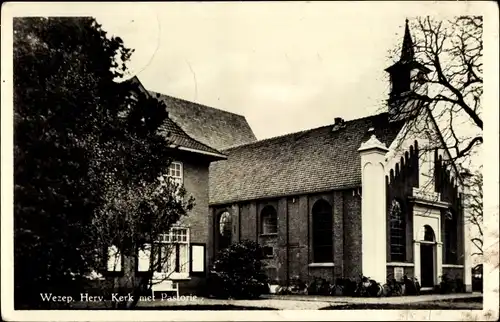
[(322, 232), (268, 220), (450, 237), (397, 232), (429, 234), (225, 224), (225, 229)]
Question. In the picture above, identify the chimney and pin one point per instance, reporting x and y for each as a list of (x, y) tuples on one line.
[(339, 124)]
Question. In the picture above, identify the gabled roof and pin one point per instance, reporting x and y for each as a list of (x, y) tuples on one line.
[(177, 137), (213, 127), (310, 161)]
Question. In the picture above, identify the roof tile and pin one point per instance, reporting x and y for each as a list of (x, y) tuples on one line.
[(211, 126), (309, 161)]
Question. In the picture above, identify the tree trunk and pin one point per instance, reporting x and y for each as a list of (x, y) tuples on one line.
[(129, 286)]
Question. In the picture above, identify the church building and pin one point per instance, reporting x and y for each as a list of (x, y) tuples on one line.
[(364, 196)]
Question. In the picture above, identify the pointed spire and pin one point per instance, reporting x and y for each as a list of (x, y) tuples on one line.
[(407, 52)]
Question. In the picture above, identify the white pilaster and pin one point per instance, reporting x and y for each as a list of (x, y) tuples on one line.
[(467, 238), (439, 262), (467, 260), (373, 209), (416, 260)]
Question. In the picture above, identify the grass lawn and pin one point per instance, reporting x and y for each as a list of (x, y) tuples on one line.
[(456, 304)]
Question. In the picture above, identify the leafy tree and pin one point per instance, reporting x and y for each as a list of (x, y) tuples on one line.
[(86, 148)]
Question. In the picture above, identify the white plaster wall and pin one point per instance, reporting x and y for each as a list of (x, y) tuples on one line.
[(373, 221), (425, 216), (403, 141)]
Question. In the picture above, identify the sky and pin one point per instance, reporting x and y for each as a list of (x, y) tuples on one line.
[(285, 66)]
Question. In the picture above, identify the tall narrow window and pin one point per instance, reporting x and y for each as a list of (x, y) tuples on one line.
[(450, 237), (397, 232), (269, 220), (225, 230), (322, 232)]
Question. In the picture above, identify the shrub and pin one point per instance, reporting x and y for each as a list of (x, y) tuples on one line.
[(238, 272)]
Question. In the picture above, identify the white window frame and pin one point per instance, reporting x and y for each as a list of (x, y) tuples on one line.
[(174, 238), (176, 178)]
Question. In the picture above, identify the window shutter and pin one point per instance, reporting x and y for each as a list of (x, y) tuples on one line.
[(197, 258), (144, 258)]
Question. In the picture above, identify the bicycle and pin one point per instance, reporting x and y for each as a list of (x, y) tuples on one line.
[(368, 287), (392, 287)]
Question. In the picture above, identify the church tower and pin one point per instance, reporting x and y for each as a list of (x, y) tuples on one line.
[(407, 76)]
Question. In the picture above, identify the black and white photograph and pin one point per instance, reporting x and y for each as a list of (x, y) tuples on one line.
[(186, 160)]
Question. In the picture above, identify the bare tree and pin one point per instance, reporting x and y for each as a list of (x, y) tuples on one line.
[(135, 220), (449, 84), (475, 214)]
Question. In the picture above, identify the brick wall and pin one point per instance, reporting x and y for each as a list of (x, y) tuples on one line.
[(352, 234), (196, 184), (195, 173), (298, 236), (195, 177), (248, 221), (454, 272), (338, 233), (292, 252)]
